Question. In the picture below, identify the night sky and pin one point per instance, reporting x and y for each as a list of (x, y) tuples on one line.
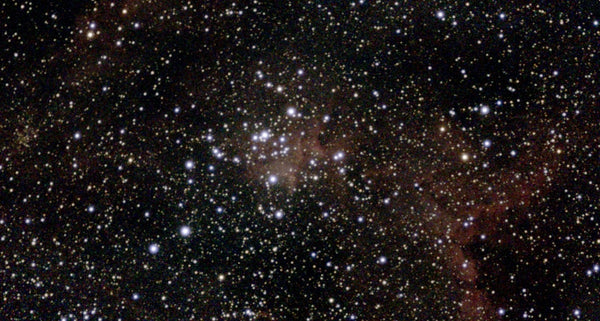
[(299, 160)]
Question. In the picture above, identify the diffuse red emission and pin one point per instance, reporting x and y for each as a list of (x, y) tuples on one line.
[(479, 203), (293, 154), (462, 201)]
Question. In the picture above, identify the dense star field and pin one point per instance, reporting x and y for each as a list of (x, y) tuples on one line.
[(300, 160)]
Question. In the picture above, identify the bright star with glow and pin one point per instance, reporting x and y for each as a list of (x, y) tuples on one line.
[(189, 164), (153, 248), (185, 231)]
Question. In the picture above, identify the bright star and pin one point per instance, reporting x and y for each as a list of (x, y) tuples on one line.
[(185, 231), (153, 248)]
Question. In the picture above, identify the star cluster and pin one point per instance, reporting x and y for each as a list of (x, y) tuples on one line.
[(299, 160)]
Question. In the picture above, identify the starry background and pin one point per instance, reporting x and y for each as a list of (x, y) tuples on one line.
[(299, 160)]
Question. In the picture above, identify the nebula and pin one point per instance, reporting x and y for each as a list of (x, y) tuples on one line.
[(299, 160)]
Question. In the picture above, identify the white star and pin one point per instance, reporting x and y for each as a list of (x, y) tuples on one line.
[(291, 111), (272, 179), (185, 231), (279, 214), (485, 109), (153, 248), (189, 164), (264, 135), (338, 156)]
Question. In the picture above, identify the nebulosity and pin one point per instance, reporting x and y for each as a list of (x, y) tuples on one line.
[(316, 160)]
